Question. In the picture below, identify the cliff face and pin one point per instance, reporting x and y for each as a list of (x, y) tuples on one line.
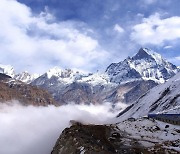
[(24, 93)]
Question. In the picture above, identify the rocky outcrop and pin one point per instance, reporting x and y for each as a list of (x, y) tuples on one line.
[(111, 139), (96, 139)]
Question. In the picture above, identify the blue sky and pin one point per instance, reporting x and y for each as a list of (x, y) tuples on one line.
[(86, 34)]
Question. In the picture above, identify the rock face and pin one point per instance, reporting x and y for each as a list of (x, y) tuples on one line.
[(110, 139), (24, 93)]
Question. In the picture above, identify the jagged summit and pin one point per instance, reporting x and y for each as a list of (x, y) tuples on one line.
[(7, 69), (23, 76), (26, 77), (142, 54), (145, 65)]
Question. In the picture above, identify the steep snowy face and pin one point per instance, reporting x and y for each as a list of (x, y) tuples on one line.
[(122, 72), (164, 98), (26, 77), (146, 65), (7, 69), (152, 66)]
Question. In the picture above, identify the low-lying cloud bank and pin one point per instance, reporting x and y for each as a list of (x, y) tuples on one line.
[(34, 130)]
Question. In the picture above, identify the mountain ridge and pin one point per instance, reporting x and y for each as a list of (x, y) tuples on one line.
[(119, 82), (108, 86), (144, 65)]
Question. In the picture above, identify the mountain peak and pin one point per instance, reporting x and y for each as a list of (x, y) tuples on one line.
[(7, 69), (146, 64), (26, 77), (143, 53)]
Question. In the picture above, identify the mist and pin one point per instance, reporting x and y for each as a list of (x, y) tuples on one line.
[(34, 130)]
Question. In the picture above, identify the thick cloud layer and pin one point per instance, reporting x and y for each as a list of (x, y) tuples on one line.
[(154, 30), (38, 41), (37, 35), (34, 130)]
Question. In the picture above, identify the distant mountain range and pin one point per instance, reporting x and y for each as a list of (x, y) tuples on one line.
[(123, 82)]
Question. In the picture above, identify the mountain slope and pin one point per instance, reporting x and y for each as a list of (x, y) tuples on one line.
[(164, 98), (26, 94)]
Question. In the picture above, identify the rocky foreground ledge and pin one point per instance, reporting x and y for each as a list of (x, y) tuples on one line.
[(109, 139)]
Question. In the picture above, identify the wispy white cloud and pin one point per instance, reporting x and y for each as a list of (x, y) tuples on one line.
[(168, 47), (156, 31), (118, 28), (148, 2), (39, 41)]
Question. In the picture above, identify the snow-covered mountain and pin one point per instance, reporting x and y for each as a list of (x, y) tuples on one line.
[(146, 65), (7, 69), (26, 77), (164, 98), (75, 86), (122, 82)]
